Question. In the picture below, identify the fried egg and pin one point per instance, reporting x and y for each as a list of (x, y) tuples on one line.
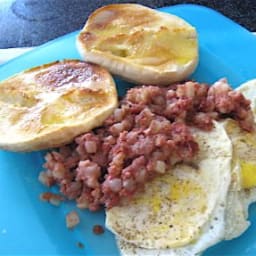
[(183, 207), (243, 183), (244, 143), (211, 233)]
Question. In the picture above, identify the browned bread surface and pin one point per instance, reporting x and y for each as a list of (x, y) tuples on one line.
[(47, 106)]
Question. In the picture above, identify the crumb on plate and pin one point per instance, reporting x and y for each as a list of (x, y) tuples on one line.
[(72, 219), (52, 198), (98, 229), (80, 245)]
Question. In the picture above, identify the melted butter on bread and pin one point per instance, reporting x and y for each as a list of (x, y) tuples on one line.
[(140, 44), (47, 106)]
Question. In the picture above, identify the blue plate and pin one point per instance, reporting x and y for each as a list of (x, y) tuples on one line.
[(30, 227)]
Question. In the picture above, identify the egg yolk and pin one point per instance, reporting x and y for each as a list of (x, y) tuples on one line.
[(248, 174)]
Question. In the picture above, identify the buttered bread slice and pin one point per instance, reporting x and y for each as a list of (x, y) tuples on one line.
[(140, 44), (47, 106)]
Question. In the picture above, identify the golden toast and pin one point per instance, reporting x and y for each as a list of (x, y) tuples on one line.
[(140, 44), (47, 106)]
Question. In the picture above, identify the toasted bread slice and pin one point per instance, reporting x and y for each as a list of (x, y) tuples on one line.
[(47, 106), (140, 44)]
